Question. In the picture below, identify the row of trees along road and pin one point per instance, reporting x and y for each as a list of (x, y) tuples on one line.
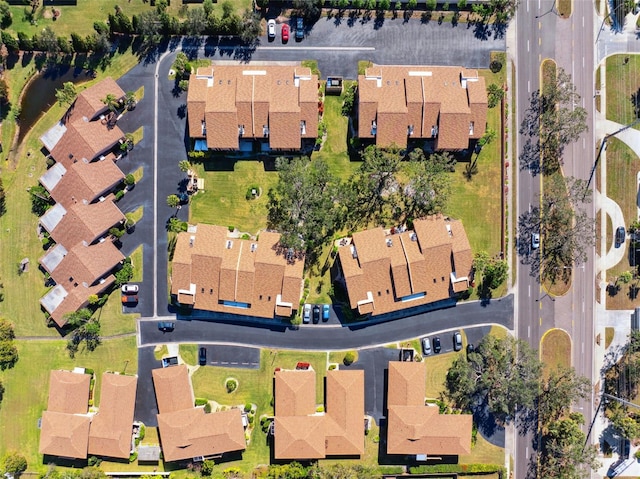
[(552, 121), (502, 379), (309, 204)]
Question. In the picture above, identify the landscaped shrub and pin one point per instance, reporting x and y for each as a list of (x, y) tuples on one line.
[(251, 419), (141, 432), (94, 461), (231, 385), (247, 407), (119, 194), (129, 180), (201, 401), (207, 467), (349, 358), (207, 408), (495, 66), (458, 468), (133, 457), (231, 228)]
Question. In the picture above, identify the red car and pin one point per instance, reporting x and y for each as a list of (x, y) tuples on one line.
[(285, 32)]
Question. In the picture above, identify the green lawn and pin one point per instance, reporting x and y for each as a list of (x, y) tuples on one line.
[(622, 166), (623, 81), (224, 202), (80, 18), (27, 387), (555, 350), (189, 353), (136, 257)]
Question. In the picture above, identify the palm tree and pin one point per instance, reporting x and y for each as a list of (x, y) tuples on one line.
[(130, 100), (111, 101)]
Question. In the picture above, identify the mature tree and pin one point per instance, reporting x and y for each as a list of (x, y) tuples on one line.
[(48, 41), (562, 388), (563, 452), (6, 330), (10, 42), (5, 14), (304, 205), (86, 328), (554, 120), (566, 231), (67, 94), (251, 28), (196, 21), (148, 26), (427, 187), (308, 8), (502, 373), (181, 65), (14, 464), (40, 199), (373, 186), (207, 5), (8, 355)]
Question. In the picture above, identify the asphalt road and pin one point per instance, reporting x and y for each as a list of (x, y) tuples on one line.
[(541, 34), (327, 338)]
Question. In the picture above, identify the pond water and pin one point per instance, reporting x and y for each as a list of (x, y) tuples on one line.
[(40, 95)]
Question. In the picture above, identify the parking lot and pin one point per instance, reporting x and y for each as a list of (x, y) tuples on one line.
[(232, 356)]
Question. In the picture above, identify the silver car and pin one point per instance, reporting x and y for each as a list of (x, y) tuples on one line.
[(271, 28), (129, 288), (306, 315), (426, 346)]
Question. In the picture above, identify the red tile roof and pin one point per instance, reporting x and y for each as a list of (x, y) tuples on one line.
[(385, 273), (186, 431), (111, 427), (210, 267), (409, 101), (301, 433), (232, 98), (412, 427)]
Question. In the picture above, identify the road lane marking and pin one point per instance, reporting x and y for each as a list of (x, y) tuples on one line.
[(539, 25), (526, 452), (540, 320), (529, 290), (539, 40), (528, 49), (582, 348), (529, 331), (527, 7), (528, 86), (582, 22), (343, 49)]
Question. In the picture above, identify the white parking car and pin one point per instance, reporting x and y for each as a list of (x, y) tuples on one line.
[(306, 316), (271, 28), (129, 288)]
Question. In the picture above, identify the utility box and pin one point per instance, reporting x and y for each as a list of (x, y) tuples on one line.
[(333, 86)]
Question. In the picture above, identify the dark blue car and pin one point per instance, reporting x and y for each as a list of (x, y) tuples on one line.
[(299, 29)]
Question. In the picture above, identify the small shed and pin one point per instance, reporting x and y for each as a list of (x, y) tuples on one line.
[(148, 453), (334, 86)]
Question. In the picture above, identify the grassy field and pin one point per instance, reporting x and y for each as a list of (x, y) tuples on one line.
[(27, 387), (622, 166), (623, 80), (555, 349), (483, 453), (80, 18), (224, 202), (136, 261)]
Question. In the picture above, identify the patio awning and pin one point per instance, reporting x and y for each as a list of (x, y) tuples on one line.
[(200, 145)]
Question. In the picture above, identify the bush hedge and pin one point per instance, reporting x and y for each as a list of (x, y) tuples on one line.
[(459, 468), (201, 401)]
